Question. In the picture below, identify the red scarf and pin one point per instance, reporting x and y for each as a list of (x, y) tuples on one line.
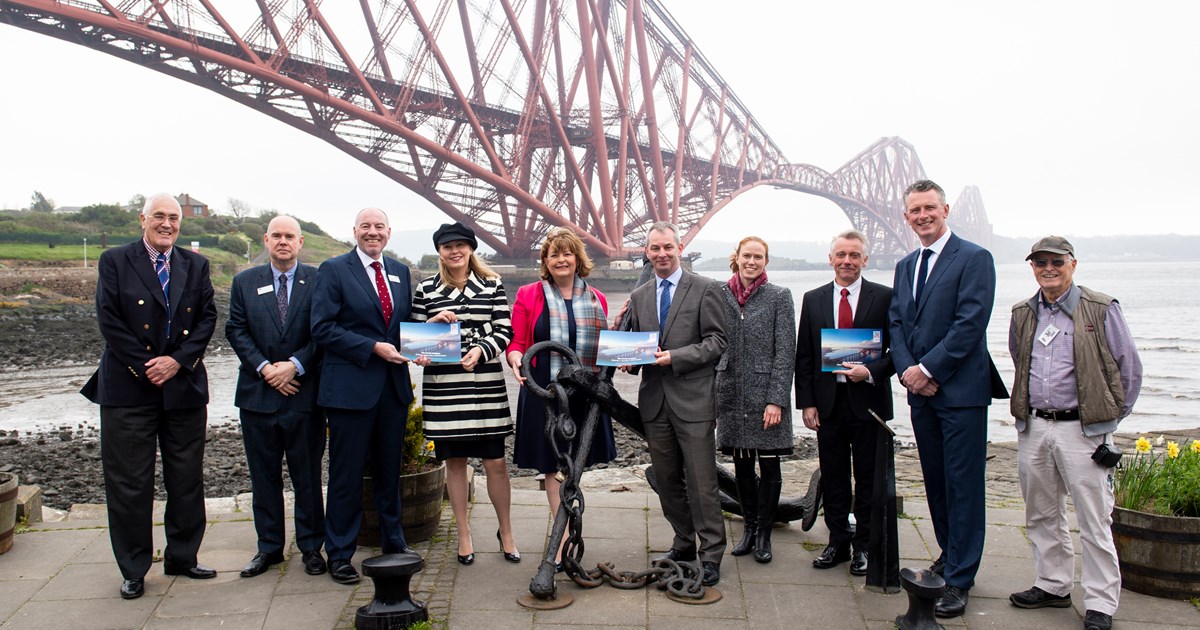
[(743, 293)]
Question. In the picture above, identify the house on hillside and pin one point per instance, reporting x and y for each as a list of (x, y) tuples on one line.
[(191, 206)]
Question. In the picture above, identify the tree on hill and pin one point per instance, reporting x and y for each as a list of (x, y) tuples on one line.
[(39, 203), (107, 215)]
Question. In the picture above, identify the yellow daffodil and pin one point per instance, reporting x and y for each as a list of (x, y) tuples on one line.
[(1142, 445), (1172, 450), (429, 446), (1196, 446)]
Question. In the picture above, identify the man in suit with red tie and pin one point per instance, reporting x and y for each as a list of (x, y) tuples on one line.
[(359, 300), (839, 405), (269, 329), (155, 308), (942, 300)]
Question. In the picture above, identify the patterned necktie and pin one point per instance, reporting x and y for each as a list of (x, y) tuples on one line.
[(164, 280), (281, 298), (922, 272), (385, 298), (845, 315), (664, 305)]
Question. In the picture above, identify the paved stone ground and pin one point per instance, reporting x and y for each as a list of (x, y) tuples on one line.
[(63, 575)]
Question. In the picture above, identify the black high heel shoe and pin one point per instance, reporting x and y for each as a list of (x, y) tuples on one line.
[(513, 557), (467, 560)]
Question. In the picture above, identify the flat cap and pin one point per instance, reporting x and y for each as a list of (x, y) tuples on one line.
[(1052, 244)]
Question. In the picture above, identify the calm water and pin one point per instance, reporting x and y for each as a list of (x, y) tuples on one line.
[(1165, 321)]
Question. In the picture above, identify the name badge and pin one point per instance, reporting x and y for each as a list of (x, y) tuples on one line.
[(1048, 335), (393, 277), (267, 288)]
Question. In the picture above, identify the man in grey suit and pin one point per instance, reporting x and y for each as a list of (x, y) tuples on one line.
[(269, 329), (676, 397)]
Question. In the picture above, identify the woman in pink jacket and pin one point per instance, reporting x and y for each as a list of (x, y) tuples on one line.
[(562, 307)]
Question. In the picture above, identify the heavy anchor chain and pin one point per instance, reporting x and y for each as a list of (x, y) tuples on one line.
[(571, 444)]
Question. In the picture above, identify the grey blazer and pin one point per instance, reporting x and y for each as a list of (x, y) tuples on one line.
[(695, 335)]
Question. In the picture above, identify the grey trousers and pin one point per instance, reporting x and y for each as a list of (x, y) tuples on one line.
[(684, 454)]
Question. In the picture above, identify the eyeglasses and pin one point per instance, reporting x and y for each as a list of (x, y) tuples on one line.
[(1042, 262)]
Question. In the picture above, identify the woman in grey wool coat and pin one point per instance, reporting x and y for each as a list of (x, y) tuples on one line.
[(754, 389)]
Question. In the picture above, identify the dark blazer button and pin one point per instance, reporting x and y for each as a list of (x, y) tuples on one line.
[(148, 349), (189, 309), (185, 332), (146, 326), (141, 302)]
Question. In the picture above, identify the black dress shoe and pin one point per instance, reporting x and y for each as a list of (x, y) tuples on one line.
[(1037, 598), (712, 573), (953, 602), (467, 560), (196, 572), (858, 563), (511, 557), (259, 564), (676, 555), (314, 563), (342, 572), (133, 589), (939, 566), (831, 557)]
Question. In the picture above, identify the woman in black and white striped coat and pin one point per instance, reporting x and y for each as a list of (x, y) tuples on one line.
[(466, 404)]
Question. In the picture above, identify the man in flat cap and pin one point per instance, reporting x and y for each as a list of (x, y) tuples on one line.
[(1077, 376)]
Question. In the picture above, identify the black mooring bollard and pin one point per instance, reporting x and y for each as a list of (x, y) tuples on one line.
[(924, 588), (393, 607)]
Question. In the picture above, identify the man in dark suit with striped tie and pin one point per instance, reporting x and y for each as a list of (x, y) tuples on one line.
[(358, 303), (269, 329), (155, 308)]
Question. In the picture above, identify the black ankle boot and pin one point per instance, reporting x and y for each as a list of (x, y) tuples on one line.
[(748, 497)]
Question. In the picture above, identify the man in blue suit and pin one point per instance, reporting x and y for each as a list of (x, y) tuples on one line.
[(358, 302), (269, 329), (941, 303)]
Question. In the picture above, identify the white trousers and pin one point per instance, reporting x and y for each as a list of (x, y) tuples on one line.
[(1055, 458)]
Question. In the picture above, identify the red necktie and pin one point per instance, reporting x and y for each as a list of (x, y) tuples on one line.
[(845, 315), (385, 298)]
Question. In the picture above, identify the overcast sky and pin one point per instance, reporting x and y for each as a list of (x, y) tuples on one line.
[(1072, 117)]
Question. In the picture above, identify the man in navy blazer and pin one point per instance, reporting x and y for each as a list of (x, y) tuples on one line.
[(269, 328), (941, 304), (359, 300), (155, 308)]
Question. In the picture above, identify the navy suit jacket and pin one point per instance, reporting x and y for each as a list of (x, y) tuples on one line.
[(256, 335), (815, 388), (132, 315), (347, 321), (947, 331)]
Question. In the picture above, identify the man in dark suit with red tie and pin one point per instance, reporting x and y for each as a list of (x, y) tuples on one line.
[(839, 405), (358, 303), (269, 328), (155, 308)]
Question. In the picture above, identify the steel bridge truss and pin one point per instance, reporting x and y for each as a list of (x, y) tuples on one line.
[(512, 116)]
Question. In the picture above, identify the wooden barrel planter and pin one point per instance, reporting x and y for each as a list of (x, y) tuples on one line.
[(420, 507), (8, 510), (1159, 555)]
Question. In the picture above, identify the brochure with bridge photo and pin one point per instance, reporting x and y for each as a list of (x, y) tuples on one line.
[(438, 341), (849, 345), (626, 348)]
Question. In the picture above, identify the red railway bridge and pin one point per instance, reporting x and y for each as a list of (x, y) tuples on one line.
[(512, 116)]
